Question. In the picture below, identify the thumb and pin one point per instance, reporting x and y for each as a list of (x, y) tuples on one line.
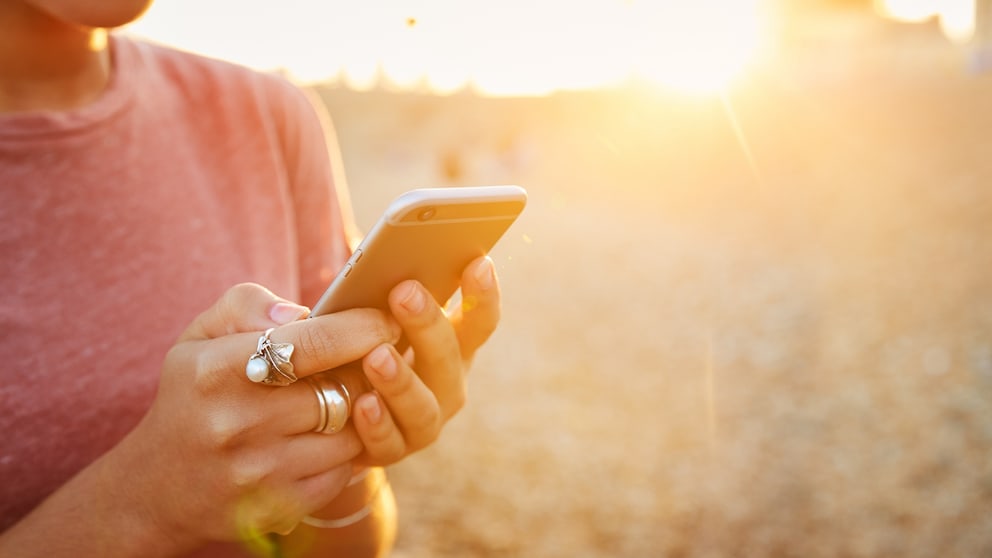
[(243, 308)]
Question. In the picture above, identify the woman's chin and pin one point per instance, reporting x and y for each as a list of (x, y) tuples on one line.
[(103, 13)]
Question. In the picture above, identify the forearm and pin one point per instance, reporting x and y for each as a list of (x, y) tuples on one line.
[(370, 535), (91, 515)]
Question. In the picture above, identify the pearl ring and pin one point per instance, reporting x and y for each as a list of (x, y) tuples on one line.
[(270, 363)]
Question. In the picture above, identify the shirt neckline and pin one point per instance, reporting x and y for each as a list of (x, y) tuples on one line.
[(114, 99)]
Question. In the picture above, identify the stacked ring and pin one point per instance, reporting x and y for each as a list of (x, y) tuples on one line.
[(333, 401)]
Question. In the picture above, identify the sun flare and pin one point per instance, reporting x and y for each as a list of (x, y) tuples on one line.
[(694, 47)]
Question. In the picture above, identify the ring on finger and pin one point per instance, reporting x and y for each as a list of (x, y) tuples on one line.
[(270, 364), (334, 403)]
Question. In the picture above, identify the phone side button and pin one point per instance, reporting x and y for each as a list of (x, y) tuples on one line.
[(347, 270), (357, 255)]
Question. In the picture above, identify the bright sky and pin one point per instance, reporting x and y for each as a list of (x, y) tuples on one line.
[(501, 48)]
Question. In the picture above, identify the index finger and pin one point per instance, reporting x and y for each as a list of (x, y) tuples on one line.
[(320, 343)]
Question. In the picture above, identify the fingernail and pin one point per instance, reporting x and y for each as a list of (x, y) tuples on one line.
[(413, 300), (285, 312), (484, 273), (383, 363), (371, 409)]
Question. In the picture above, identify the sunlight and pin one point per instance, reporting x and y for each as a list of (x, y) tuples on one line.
[(957, 17), (514, 47), (907, 10), (694, 47)]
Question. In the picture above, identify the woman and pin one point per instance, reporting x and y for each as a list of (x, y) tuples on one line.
[(138, 185)]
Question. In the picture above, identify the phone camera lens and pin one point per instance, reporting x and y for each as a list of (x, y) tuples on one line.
[(426, 214)]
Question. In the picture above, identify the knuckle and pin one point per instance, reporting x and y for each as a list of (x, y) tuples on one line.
[(432, 314), (207, 374), (314, 342), (246, 289), (242, 292), (234, 301), (231, 300), (381, 329), (403, 383), (427, 425), (234, 294), (375, 324), (395, 453), (223, 430), (379, 439), (246, 475)]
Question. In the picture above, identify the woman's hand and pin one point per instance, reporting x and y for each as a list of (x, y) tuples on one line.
[(219, 457), (415, 394)]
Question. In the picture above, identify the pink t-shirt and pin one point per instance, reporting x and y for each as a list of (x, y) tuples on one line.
[(121, 221)]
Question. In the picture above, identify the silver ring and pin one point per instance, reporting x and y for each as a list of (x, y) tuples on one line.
[(270, 363), (334, 402)]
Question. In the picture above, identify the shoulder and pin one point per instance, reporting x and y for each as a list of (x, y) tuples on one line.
[(213, 84)]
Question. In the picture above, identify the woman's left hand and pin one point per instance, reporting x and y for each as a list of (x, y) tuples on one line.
[(414, 395)]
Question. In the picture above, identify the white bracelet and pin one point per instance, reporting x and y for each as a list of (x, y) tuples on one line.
[(349, 519), (359, 477), (339, 522)]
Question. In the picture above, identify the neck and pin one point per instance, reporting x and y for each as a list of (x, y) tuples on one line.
[(47, 64)]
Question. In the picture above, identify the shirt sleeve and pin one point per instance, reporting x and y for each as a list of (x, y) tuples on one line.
[(325, 226)]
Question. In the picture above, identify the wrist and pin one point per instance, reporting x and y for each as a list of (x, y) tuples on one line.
[(360, 522), (137, 510), (354, 503)]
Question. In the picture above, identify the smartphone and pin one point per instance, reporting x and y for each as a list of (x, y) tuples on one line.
[(428, 234)]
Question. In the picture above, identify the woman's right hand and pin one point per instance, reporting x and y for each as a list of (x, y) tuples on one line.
[(218, 457)]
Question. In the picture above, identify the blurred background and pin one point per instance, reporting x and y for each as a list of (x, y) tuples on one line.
[(748, 311)]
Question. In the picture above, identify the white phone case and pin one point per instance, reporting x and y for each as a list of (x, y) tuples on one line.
[(430, 235)]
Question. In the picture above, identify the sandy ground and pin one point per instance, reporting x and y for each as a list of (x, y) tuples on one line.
[(783, 349)]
